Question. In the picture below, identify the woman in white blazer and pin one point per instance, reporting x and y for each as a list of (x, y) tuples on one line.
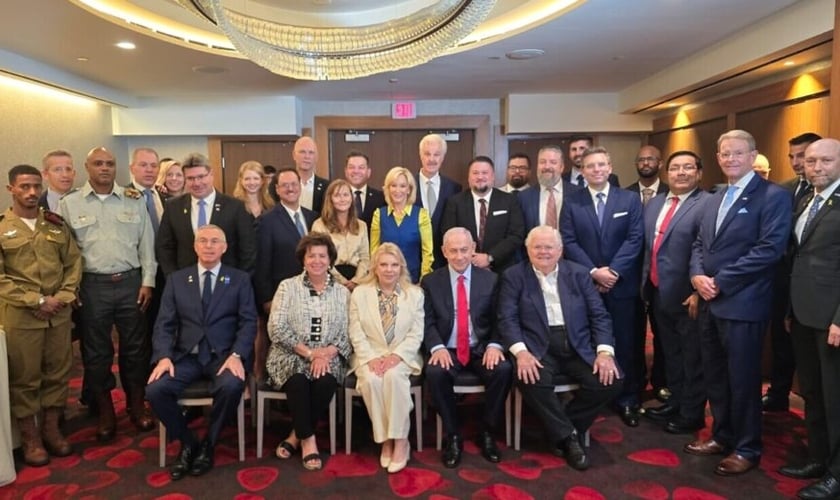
[(386, 353)]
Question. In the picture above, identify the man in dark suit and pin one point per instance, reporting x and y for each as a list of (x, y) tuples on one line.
[(462, 336), (277, 238), (554, 323), (59, 175), (815, 328), (434, 189), (365, 198), (578, 144), (671, 225), (544, 204), (203, 205), (305, 156), (492, 217), (205, 330), (743, 232), (648, 163), (603, 231), (784, 364)]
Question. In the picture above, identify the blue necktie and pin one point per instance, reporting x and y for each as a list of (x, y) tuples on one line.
[(299, 225), (724, 207), (150, 206), (599, 208), (812, 212), (206, 295), (202, 213)]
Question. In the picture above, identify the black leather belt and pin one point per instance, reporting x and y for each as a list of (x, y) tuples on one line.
[(112, 278)]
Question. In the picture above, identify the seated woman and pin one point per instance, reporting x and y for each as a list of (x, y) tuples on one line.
[(348, 233), (252, 188), (170, 181), (309, 347), (386, 330), (403, 223)]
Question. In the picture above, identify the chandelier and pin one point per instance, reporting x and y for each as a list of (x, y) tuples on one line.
[(342, 53)]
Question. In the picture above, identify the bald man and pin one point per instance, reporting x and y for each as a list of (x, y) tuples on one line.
[(305, 155)]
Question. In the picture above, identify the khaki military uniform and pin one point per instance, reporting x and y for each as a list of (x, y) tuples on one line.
[(34, 264)]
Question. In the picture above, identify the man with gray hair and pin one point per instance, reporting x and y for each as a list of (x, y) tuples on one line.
[(433, 188)]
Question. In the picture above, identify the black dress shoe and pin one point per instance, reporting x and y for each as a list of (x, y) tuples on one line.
[(572, 450), (452, 451), (681, 425), (662, 413), (488, 447), (629, 415), (771, 403), (663, 394), (827, 487), (204, 460), (183, 463), (811, 470)]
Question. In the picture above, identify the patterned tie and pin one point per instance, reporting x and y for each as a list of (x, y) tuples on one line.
[(150, 206), (812, 212), (482, 222), (463, 326), (206, 295), (599, 208), (647, 194), (724, 207), (657, 242), (580, 181), (202, 213), (299, 225), (388, 312), (431, 197), (551, 209), (358, 202)]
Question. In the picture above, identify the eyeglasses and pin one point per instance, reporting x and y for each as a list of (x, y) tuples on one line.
[(196, 178), (647, 159), (99, 163), (688, 167), (737, 155), (520, 168)]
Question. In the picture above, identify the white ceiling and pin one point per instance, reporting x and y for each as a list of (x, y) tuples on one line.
[(602, 46)]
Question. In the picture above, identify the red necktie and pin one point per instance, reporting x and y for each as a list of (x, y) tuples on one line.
[(463, 326), (657, 242)]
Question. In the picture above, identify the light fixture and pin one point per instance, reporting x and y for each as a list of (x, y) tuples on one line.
[(313, 53), (126, 45), (524, 54), (788, 63)]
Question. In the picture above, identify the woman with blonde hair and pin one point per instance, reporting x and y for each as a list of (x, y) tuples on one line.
[(404, 224), (348, 233), (252, 188), (170, 180), (386, 331)]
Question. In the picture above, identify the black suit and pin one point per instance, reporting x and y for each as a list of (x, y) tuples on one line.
[(663, 188), (318, 191), (373, 200), (175, 238), (815, 301), (504, 230), (42, 201), (448, 188)]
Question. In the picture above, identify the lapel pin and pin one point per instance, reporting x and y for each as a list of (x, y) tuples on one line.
[(190, 278)]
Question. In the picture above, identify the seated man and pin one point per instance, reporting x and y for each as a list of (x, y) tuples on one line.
[(459, 334), (205, 329), (554, 322)]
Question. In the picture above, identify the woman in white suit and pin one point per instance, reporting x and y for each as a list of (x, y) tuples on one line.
[(386, 331)]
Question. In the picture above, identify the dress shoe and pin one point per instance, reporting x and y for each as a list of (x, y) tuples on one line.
[(140, 413), (402, 453), (704, 448), (681, 425), (629, 415), (106, 429), (452, 451), (663, 394), (183, 463), (488, 447), (204, 460), (811, 470), (572, 450), (771, 403), (827, 487), (733, 465), (661, 413)]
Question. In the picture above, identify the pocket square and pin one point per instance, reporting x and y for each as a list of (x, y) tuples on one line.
[(742, 211), (619, 214), (499, 212)]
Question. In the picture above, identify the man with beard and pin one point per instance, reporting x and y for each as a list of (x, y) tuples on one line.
[(518, 173), (492, 217), (365, 198), (648, 163), (542, 207), (578, 144)]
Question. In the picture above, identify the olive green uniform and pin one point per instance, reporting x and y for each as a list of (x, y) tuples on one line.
[(34, 264)]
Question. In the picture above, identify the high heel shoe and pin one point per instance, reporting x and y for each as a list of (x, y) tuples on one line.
[(385, 460), (395, 466)]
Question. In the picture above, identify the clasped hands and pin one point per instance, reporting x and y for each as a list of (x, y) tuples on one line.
[(382, 364)]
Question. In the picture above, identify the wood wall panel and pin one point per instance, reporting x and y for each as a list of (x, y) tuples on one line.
[(700, 138)]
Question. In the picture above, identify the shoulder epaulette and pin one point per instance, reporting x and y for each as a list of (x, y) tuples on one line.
[(73, 190), (53, 218), (132, 193)]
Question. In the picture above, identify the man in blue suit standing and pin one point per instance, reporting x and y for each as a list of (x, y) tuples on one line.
[(555, 324), (743, 233), (434, 189), (205, 330), (603, 231)]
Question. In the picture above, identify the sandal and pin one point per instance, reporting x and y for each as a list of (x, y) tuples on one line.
[(285, 450), (312, 462)]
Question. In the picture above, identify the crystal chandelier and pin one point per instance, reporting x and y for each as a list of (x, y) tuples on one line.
[(312, 53)]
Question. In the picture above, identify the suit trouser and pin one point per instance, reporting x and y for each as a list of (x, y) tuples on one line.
[(560, 419), (819, 370), (784, 362), (388, 400), (496, 387), (627, 347), (308, 400), (731, 352), (656, 375), (40, 360), (164, 392)]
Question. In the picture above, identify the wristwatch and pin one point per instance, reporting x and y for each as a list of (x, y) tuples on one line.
[(236, 355)]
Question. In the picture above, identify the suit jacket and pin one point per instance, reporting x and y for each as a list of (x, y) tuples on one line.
[(448, 188), (567, 176), (618, 244), (368, 337), (318, 194), (277, 239), (802, 196), (663, 188), (522, 314), (674, 254), (529, 202), (42, 201), (175, 238), (504, 230), (742, 256), (230, 323), (439, 307), (814, 294), (373, 200)]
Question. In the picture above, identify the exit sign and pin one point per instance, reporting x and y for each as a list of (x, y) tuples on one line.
[(404, 110)]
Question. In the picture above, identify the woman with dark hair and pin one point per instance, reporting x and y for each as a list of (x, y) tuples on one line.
[(349, 234), (309, 346)]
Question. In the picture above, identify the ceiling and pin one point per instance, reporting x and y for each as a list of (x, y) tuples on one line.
[(600, 46)]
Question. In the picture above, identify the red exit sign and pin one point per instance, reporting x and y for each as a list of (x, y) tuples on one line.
[(404, 110)]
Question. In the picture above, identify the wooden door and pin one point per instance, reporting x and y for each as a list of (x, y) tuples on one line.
[(268, 152)]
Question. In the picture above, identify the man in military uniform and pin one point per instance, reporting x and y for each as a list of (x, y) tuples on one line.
[(40, 268), (115, 234)]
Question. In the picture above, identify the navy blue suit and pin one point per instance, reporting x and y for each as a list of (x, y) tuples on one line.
[(618, 245), (529, 201), (523, 318), (277, 239), (448, 188), (741, 257), (229, 324)]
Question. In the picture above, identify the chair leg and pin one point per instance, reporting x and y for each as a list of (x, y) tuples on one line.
[(260, 422), (253, 383), (418, 416), (332, 425), (438, 439), (507, 420), (240, 426), (161, 444), (517, 418), (348, 419)]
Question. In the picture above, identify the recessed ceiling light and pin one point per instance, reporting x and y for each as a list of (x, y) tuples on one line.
[(494, 58), (209, 70), (82, 59), (126, 45), (674, 105), (523, 54), (788, 63), (393, 80)]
